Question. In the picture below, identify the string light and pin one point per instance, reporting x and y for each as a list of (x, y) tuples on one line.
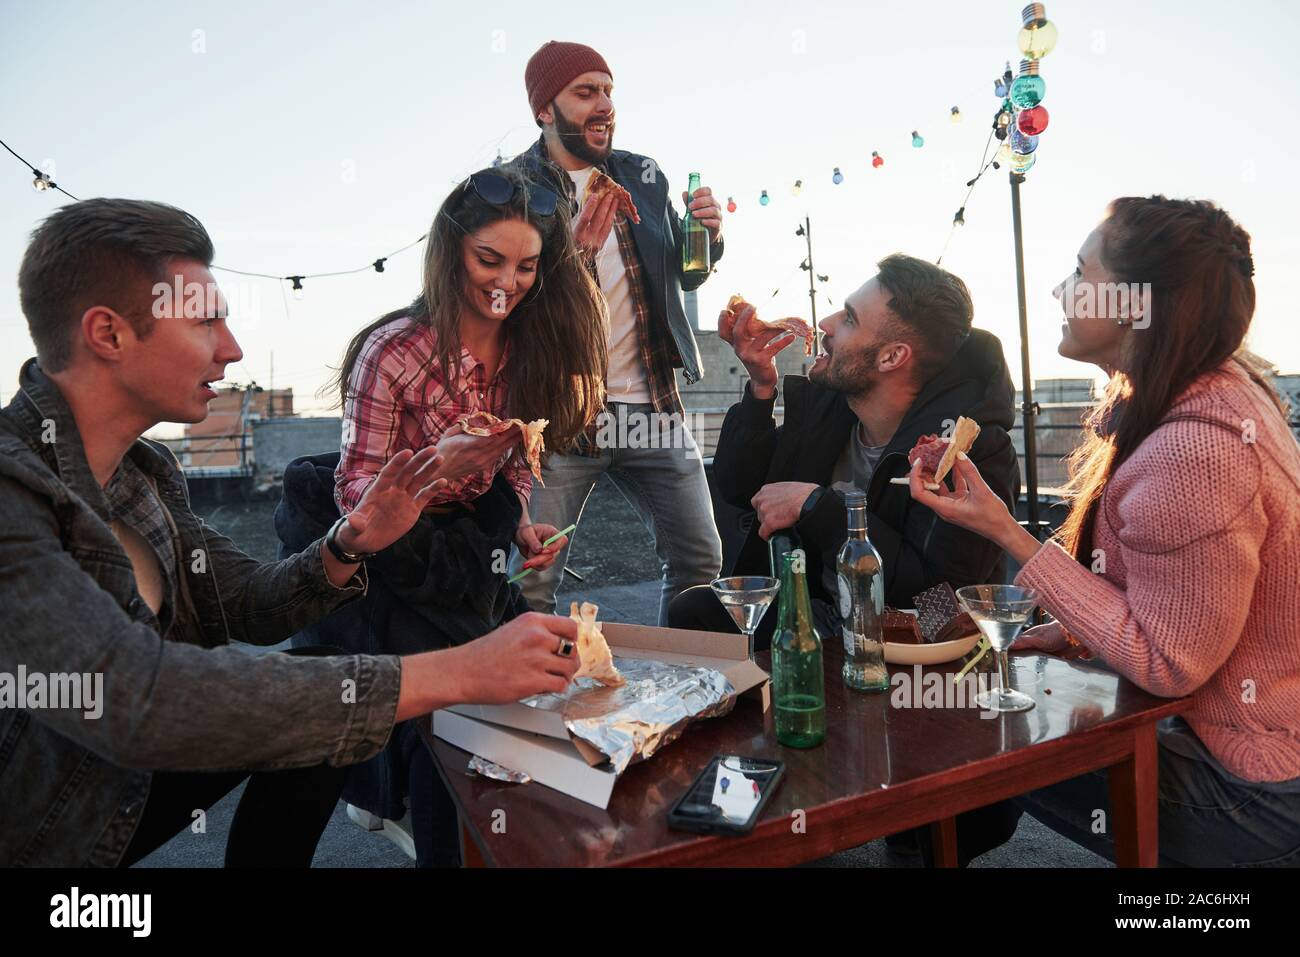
[(1033, 121), (1028, 89), (877, 160), (955, 114), (379, 264), (1038, 35), (797, 188), (297, 286), (763, 200), (837, 177), (42, 182), (731, 205), (917, 140)]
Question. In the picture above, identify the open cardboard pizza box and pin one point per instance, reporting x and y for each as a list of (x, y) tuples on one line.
[(536, 741)]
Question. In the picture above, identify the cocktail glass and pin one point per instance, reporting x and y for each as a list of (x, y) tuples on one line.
[(1000, 611), (746, 598)]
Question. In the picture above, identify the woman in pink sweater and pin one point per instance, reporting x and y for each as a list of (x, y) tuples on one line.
[(1179, 563)]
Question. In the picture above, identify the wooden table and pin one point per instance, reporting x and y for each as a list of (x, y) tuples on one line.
[(882, 769)]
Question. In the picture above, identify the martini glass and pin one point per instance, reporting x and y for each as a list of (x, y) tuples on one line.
[(746, 598), (1000, 611)]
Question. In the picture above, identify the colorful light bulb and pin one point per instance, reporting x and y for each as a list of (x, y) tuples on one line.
[(837, 177), (42, 182), (1038, 35), (797, 188), (1021, 163), (877, 160), (763, 200), (917, 140), (1022, 143), (955, 114), (731, 205), (1033, 121), (1028, 88), (1004, 154)]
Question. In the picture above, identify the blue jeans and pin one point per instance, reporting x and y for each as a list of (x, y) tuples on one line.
[(666, 486), (1208, 818)]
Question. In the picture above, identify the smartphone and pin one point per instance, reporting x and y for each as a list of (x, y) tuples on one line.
[(728, 795)]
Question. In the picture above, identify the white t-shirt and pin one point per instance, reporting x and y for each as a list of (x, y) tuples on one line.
[(625, 379)]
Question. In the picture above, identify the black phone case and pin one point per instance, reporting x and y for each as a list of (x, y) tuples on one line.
[(714, 826)]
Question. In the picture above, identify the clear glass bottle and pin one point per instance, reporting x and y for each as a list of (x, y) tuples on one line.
[(862, 603)]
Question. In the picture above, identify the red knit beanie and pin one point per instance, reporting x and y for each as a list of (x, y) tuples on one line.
[(551, 68)]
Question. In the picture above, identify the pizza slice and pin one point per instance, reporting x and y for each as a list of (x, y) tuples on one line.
[(485, 423), (599, 184), (937, 453), (791, 324), (593, 651)]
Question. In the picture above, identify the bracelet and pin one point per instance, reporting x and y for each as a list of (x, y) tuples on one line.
[(337, 550)]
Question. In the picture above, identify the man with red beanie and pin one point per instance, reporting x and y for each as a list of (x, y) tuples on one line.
[(641, 442)]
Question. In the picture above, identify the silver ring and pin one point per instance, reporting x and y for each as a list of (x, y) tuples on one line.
[(566, 648)]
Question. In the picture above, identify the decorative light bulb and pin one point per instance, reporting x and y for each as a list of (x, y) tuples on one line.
[(379, 264), (1022, 143), (955, 114), (731, 204), (1038, 35), (960, 218), (1004, 155), (42, 182), (797, 188), (837, 177), (917, 140), (763, 200), (877, 160), (1033, 121), (1028, 88), (1021, 163), (297, 286), (1004, 119)]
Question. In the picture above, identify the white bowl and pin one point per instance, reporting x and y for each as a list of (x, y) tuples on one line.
[(897, 653)]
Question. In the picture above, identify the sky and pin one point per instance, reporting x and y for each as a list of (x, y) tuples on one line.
[(314, 137)]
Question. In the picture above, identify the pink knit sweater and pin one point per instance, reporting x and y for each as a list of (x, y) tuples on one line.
[(1199, 595)]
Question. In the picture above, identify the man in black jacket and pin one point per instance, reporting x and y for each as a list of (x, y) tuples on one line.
[(642, 442), (899, 361)]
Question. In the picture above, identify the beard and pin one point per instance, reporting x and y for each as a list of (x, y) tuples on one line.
[(574, 138), (849, 375)]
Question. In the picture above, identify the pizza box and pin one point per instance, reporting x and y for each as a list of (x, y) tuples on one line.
[(536, 741)]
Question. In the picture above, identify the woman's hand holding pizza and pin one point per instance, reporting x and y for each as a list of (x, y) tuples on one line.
[(972, 505), (464, 455)]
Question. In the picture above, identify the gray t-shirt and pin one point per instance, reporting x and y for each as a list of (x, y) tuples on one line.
[(853, 470)]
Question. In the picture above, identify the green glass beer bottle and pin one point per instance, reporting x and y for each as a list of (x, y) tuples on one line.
[(798, 688), (695, 238)]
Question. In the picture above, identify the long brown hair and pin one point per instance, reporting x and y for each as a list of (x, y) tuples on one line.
[(557, 334), (1198, 263)]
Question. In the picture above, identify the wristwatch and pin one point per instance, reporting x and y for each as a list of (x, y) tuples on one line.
[(337, 550)]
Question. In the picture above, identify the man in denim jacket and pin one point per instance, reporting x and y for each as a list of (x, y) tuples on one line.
[(121, 696)]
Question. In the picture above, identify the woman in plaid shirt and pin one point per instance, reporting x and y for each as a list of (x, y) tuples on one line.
[(509, 322)]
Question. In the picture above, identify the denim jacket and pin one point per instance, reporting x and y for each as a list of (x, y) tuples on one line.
[(72, 786)]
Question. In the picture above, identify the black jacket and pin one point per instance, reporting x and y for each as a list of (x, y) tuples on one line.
[(438, 585), (917, 549), (658, 239)]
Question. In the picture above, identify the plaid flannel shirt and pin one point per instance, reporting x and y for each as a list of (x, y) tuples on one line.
[(397, 399), (132, 501), (658, 351)]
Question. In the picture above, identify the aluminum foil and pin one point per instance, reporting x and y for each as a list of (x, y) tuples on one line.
[(631, 723), (490, 769)]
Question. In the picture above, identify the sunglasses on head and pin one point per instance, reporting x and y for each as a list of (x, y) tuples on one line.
[(498, 190)]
